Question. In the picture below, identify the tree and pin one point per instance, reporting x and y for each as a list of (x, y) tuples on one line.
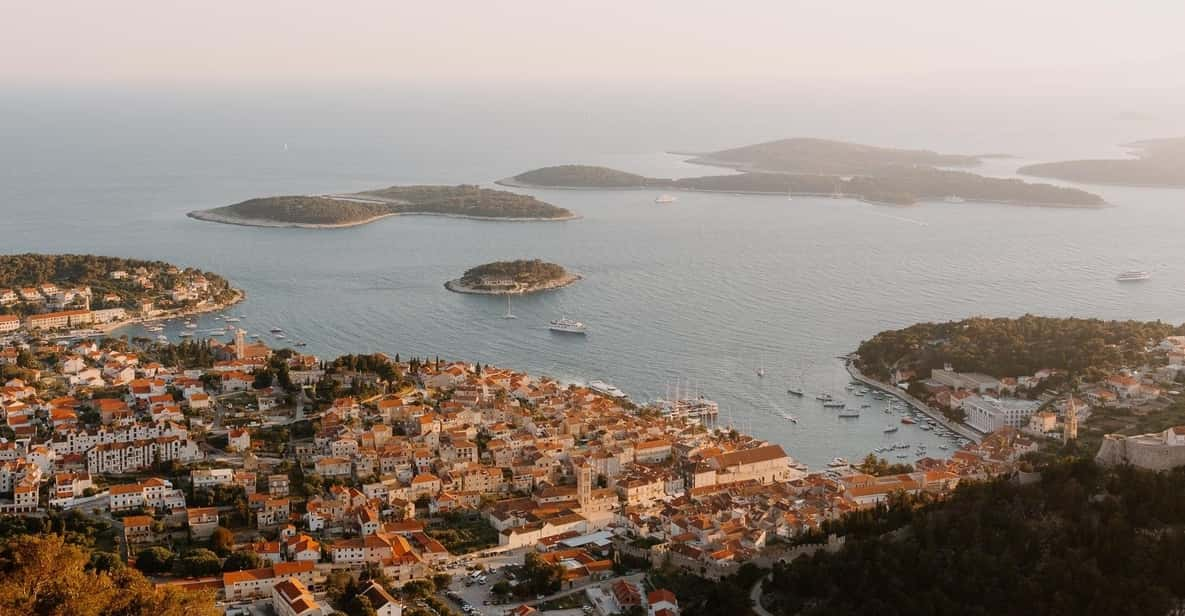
[(222, 541), (154, 560), (197, 563), (242, 560), (46, 575), (105, 562)]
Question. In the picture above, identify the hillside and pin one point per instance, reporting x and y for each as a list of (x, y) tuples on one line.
[(823, 156), (1159, 162), (1082, 540), (1004, 347), (364, 207)]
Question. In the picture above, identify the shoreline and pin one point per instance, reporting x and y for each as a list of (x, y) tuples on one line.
[(511, 182), (456, 287), (913, 402), (240, 296), (208, 216)]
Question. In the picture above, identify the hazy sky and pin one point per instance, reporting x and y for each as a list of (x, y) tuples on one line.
[(1133, 43)]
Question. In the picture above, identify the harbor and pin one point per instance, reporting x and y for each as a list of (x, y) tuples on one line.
[(912, 402)]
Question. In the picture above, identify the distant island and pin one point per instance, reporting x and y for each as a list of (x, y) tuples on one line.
[(816, 167), (512, 278), (349, 210), (1157, 162)]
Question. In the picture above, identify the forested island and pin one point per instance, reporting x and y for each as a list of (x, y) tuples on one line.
[(826, 168), (1157, 162), (37, 283), (331, 211), (1011, 347), (512, 277)]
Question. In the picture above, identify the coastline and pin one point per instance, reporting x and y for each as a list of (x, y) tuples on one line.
[(239, 296), (456, 287), (921, 407), (208, 216)]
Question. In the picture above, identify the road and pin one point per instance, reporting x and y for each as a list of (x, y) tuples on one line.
[(755, 598)]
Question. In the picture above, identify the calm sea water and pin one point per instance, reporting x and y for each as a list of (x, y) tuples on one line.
[(702, 292)]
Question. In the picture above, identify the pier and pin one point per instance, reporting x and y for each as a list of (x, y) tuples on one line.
[(921, 407)]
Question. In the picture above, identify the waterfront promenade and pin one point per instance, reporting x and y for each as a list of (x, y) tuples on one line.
[(922, 407)]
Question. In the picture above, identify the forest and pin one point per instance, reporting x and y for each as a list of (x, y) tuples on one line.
[(582, 176), (1010, 347), (824, 156), (526, 271), (1082, 540)]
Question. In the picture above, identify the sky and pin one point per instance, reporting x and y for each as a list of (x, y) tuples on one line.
[(1039, 44)]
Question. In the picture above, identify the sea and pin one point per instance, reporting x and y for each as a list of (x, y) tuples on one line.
[(697, 296)]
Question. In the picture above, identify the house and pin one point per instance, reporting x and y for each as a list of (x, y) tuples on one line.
[(330, 466), (381, 601), (291, 597), (662, 602), (202, 521), (238, 440), (253, 583), (137, 529)]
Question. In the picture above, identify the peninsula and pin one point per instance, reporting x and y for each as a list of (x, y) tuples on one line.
[(816, 167), (65, 291), (512, 278), (1157, 162), (350, 210)]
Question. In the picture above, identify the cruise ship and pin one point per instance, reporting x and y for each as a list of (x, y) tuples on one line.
[(567, 326), (603, 388), (665, 199), (1133, 276)]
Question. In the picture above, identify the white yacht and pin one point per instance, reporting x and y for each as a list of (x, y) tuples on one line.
[(1133, 276), (567, 326), (789, 417), (665, 199), (601, 387), (890, 429)]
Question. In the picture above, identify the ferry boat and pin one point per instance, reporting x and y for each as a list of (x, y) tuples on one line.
[(567, 326), (606, 389), (890, 429), (1133, 276), (665, 199)]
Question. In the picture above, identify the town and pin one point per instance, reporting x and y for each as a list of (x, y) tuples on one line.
[(279, 479)]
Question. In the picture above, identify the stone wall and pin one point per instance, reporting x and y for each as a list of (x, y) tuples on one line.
[(1145, 451)]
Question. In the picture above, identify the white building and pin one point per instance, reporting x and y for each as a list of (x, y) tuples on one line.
[(988, 414)]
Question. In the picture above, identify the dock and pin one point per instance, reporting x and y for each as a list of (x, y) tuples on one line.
[(913, 402)]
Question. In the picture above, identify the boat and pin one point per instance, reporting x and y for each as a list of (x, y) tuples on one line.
[(795, 391), (190, 325), (301, 343), (162, 339), (837, 462), (890, 429), (280, 336), (824, 397), (1133, 276), (275, 330), (185, 335), (665, 199), (849, 413), (566, 326), (907, 420), (954, 199), (232, 319), (761, 372), (606, 389), (834, 404), (789, 417)]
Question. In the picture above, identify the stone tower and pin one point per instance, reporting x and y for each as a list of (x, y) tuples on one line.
[(240, 343), (584, 485), (1070, 432)]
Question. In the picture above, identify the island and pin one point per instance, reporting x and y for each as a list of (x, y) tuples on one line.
[(350, 210), (817, 167), (69, 291), (512, 278), (1156, 162)]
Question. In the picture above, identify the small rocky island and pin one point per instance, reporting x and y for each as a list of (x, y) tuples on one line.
[(350, 210), (1156, 162), (512, 278), (818, 167)]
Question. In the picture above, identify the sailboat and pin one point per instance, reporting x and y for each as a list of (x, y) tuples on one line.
[(790, 193), (761, 368), (508, 314)]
